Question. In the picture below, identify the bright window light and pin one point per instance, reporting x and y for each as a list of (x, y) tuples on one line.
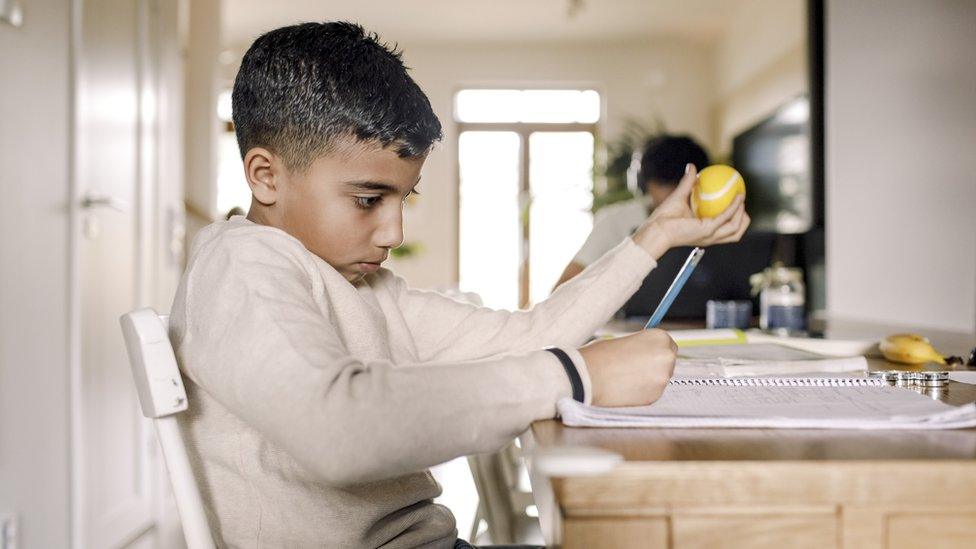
[(519, 227), (540, 106), (232, 188), (224, 109), (561, 181), (489, 217)]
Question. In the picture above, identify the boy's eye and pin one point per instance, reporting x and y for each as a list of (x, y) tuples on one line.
[(366, 202)]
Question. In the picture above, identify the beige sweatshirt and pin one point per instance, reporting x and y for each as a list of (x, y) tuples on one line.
[(317, 405)]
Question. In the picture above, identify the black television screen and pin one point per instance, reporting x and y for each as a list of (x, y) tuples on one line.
[(774, 159)]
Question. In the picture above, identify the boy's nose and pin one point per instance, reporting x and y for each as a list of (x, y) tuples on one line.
[(390, 233)]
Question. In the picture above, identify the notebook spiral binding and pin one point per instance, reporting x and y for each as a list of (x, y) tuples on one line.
[(779, 382)]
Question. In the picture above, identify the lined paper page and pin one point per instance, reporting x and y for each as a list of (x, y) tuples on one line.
[(872, 402)]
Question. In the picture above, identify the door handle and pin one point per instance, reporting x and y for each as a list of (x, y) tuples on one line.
[(93, 200)]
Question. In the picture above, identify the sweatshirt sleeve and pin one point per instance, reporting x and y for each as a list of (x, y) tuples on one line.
[(255, 340), (446, 329)]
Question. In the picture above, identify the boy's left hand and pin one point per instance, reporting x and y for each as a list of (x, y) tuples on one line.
[(673, 224)]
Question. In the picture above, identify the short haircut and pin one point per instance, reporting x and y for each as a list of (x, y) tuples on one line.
[(301, 89), (664, 158)]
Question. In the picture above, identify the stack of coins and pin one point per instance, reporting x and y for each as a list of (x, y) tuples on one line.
[(911, 379), (931, 384)]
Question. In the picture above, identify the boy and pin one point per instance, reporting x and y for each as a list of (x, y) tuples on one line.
[(323, 387)]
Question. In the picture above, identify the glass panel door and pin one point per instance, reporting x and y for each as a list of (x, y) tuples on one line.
[(561, 186), (489, 228)]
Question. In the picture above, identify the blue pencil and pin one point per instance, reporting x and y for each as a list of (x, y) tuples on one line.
[(679, 281)]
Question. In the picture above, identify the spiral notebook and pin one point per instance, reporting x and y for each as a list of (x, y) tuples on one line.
[(779, 402)]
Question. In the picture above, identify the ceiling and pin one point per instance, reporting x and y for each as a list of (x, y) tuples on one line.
[(491, 21)]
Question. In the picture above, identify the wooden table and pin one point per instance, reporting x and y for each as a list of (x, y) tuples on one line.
[(763, 487)]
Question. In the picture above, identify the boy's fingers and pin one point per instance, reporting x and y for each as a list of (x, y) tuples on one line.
[(687, 182), (746, 220), (736, 221), (727, 231), (731, 227), (710, 226), (719, 228), (741, 225), (729, 213)]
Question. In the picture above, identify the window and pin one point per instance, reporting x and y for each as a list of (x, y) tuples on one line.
[(543, 106), (526, 180)]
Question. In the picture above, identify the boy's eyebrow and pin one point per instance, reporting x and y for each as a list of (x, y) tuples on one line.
[(377, 186), (371, 186)]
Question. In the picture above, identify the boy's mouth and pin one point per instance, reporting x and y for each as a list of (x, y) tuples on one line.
[(368, 266)]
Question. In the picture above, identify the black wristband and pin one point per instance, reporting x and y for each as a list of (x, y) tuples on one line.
[(574, 378)]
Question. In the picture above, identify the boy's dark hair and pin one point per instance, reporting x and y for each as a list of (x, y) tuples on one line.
[(664, 158), (302, 87)]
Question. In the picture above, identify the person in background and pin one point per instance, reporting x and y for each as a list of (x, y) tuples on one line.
[(662, 165), (236, 210)]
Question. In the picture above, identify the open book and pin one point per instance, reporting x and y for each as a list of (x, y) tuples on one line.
[(785, 402)]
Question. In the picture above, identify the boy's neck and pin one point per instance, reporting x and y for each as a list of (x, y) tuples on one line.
[(258, 213)]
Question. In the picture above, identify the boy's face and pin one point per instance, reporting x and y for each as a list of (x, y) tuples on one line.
[(346, 207)]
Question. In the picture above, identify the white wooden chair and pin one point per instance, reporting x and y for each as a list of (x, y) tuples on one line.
[(161, 393), (503, 500), (162, 396)]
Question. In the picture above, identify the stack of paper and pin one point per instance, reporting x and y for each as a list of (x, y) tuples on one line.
[(963, 376), (804, 403), (758, 359)]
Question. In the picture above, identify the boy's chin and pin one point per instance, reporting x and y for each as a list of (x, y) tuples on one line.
[(352, 275)]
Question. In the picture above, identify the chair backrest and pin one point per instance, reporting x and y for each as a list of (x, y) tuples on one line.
[(162, 396)]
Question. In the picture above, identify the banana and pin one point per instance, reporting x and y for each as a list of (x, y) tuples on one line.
[(909, 349)]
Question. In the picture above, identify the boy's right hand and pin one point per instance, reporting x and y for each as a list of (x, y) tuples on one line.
[(672, 222), (631, 370)]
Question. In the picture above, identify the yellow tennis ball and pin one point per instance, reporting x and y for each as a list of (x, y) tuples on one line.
[(716, 188)]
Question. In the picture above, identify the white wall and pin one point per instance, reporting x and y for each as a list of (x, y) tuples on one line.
[(36, 341), (34, 262), (901, 169), (200, 123), (760, 63), (671, 79)]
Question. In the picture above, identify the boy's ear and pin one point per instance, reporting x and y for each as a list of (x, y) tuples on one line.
[(263, 171)]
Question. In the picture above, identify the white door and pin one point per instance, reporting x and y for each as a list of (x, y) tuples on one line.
[(112, 441)]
